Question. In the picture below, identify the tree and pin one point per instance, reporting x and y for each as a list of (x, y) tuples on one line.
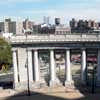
[(5, 53)]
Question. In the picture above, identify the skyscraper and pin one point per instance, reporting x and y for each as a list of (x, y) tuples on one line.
[(19, 27), (57, 21), (46, 20)]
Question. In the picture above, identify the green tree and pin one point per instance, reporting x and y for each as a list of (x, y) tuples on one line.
[(5, 53)]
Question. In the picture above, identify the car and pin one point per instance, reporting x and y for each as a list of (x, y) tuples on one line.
[(89, 59), (92, 59), (76, 59)]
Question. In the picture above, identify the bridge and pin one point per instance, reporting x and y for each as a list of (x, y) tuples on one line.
[(26, 51)]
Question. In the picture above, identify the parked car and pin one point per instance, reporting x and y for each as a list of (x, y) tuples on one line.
[(76, 59), (90, 59)]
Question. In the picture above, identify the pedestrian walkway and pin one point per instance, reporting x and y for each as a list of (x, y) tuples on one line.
[(56, 93), (59, 92)]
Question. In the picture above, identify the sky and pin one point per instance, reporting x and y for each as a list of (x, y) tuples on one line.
[(64, 9)]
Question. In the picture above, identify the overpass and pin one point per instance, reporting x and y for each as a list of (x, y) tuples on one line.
[(26, 53)]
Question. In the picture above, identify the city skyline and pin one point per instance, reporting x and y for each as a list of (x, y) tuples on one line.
[(36, 9)]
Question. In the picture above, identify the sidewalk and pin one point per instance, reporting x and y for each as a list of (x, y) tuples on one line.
[(58, 93)]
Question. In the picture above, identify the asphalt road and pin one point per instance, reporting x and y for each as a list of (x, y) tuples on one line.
[(6, 79)]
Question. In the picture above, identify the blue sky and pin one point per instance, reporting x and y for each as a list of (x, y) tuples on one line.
[(65, 9)]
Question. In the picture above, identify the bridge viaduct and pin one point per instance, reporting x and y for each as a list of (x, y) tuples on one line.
[(25, 51)]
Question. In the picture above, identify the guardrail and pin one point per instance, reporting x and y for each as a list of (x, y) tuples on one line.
[(54, 38)]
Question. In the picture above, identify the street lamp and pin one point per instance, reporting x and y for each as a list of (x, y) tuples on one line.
[(28, 86), (93, 76)]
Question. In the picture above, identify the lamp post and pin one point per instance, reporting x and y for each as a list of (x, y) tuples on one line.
[(28, 85), (93, 77)]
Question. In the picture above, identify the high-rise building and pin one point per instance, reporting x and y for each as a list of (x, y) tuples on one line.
[(1, 26), (19, 27), (28, 24), (46, 20), (73, 23), (6, 25), (9, 26), (83, 26), (57, 21)]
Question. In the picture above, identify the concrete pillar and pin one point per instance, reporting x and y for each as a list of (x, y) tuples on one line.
[(98, 67), (15, 67), (52, 69), (83, 66), (30, 67), (22, 65), (67, 68), (36, 66)]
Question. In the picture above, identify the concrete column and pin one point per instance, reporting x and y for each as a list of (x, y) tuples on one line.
[(15, 67), (98, 67), (52, 69), (67, 68), (22, 67), (83, 66), (36, 66), (30, 67)]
